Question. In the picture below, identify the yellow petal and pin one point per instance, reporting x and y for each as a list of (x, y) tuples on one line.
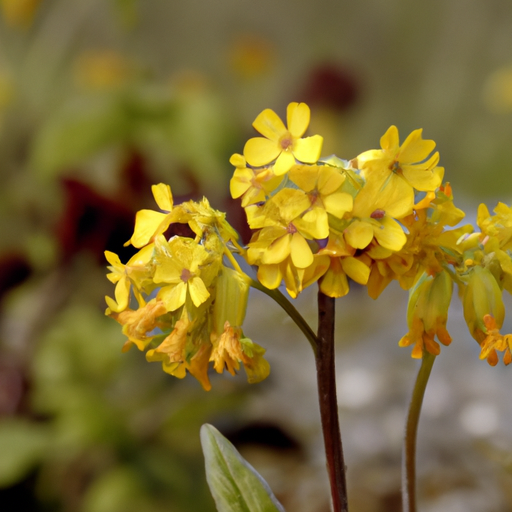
[(270, 276), (390, 139), (338, 204), (415, 149), (240, 182), (297, 116), (172, 296), (277, 251), (329, 180), (198, 291), (259, 151), (390, 234), (284, 163), (314, 223), (358, 234), (334, 283), (356, 270), (300, 252), (304, 176), (122, 294), (163, 196), (147, 223), (308, 149), (269, 124)]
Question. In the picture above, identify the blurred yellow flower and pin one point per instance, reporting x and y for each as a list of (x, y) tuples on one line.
[(19, 13)]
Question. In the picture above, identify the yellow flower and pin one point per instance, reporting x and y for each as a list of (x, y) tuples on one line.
[(372, 215), (283, 144), (495, 341), (322, 184), (286, 228), (176, 356), (252, 185), (136, 324), (394, 170), (178, 265), (231, 348), (427, 313), (135, 273)]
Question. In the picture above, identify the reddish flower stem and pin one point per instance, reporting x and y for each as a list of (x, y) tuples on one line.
[(326, 380)]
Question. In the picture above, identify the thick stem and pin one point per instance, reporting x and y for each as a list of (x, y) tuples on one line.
[(326, 379), (411, 431)]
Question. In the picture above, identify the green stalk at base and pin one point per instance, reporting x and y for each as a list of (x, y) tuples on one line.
[(411, 431)]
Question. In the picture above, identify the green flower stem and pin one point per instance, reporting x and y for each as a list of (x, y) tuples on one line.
[(292, 312), (411, 431), (326, 380)]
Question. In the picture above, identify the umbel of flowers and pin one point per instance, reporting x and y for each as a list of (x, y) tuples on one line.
[(382, 216)]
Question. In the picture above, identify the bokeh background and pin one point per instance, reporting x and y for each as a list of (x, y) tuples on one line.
[(99, 99)]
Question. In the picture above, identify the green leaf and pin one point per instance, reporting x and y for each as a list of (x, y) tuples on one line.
[(234, 483)]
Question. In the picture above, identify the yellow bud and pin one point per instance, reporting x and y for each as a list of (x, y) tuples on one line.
[(482, 297)]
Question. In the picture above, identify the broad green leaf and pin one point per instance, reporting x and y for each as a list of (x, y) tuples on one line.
[(234, 483), (22, 446)]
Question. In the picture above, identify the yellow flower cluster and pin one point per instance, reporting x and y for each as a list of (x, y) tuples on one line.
[(190, 306), (382, 216)]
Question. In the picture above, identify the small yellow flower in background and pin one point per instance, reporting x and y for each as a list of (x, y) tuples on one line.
[(281, 143), (19, 13), (102, 70), (497, 93), (427, 314)]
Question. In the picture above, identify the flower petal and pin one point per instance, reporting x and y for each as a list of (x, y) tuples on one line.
[(147, 223), (308, 149), (359, 234), (163, 196), (270, 276), (198, 291), (269, 124), (300, 251), (356, 270), (259, 151), (172, 296), (277, 251), (284, 163), (390, 234), (297, 117)]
